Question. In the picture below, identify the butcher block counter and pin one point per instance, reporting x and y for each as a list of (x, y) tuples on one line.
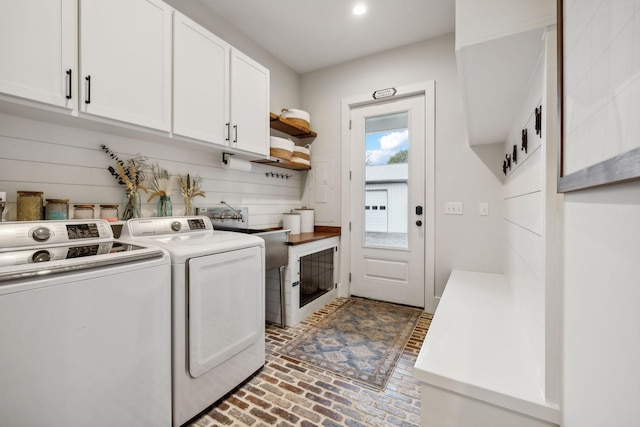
[(319, 233)]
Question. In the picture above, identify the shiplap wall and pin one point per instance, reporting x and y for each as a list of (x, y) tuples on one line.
[(524, 204), (67, 162)]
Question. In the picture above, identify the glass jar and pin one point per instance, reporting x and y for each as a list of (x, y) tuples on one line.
[(109, 212), (131, 205), (83, 211), (57, 209), (165, 208), (29, 206)]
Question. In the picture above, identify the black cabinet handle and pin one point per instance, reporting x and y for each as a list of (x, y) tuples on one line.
[(228, 125), (514, 156), (69, 83), (88, 97), (235, 139)]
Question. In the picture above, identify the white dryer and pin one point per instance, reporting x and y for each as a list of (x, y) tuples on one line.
[(218, 307)]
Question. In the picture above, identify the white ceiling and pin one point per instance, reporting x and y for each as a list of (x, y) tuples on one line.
[(308, 35)]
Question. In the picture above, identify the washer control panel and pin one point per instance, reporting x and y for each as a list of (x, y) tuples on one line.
[(33, 233), (164, 226)]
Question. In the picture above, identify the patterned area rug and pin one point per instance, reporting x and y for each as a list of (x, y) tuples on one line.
[(361, 340)]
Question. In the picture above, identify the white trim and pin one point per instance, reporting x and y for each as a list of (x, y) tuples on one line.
[(428, 89)]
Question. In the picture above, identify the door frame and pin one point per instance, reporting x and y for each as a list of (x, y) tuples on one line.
[(428, 90)]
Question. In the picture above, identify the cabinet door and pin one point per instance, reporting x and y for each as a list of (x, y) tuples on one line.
[(200, 82), (38, 50), (125, 61), (249, 104)]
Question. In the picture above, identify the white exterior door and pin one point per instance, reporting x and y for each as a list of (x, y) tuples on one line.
[(249, 105), (390, 137), (38, 51), (200, 82), (125, 61)]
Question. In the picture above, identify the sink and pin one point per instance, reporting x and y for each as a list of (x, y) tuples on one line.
[(226, 218), (275, 244)]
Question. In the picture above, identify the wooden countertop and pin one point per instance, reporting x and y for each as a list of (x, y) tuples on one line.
[(320, 232)]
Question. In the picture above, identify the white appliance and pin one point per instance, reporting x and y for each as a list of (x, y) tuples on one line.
[(84, 327), (218, 307)]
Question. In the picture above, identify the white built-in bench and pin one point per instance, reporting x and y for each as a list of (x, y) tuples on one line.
[(475, 366)]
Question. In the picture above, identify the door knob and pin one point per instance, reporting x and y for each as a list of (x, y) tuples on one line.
[(419, 223)]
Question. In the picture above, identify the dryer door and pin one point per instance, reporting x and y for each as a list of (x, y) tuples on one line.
[(226, 306)]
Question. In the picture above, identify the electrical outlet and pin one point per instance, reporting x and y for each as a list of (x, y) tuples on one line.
[(483, 209), (453, 208)]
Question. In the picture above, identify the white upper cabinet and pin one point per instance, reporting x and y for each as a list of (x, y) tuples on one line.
[(219, 94), (137, 62), (200, 82), (125, 61), (498, 44), (249, 105), (38, 51)]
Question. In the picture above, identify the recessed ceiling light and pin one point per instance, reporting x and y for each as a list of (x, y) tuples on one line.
[(359, 9)]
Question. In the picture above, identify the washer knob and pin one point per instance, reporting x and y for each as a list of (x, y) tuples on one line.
[(176, 226), (41, 256), (41, 234)]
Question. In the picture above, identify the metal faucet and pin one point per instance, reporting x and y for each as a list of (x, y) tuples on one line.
[(238, 215)]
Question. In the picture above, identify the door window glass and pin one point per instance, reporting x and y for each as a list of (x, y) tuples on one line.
[(386, 183)]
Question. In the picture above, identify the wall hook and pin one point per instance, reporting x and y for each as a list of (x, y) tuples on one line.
[(524, 141), (278, 175)]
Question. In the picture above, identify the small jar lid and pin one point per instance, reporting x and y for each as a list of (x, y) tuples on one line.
[(57, 200), (30, 193), (84, 206), (109, 206)]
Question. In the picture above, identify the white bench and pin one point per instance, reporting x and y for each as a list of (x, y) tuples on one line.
[(475, 366)]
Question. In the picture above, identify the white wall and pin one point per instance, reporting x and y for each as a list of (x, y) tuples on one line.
[(67, 162), (524, 213), (601, 320), (500, 18), (601, 289), (532, 245), (468, 242)]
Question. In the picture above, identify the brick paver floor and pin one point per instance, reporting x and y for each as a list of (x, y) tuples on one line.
[(287, 393)]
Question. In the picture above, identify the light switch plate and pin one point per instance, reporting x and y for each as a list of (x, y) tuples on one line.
[(483, 209), (453, 208)]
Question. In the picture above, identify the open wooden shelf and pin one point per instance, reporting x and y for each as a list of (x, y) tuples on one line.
[(290, 128), (282, 163)]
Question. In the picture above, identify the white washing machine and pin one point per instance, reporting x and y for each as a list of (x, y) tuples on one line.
[(84, 327), (218, 307)]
